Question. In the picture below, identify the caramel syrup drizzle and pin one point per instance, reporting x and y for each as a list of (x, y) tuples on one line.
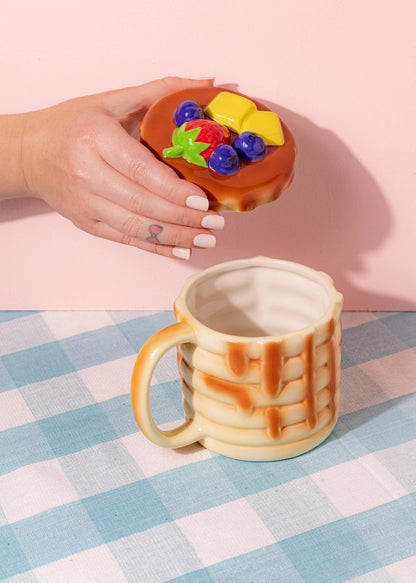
[(236, 392), (332, 369), (271, 369), (236, 358), (271, 381), (309, 379)]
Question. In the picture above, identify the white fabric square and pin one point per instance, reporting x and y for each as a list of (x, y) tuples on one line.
[(70, 323), (49, 487), (226, 531), (13, 410), (110, 379), (377, 576), (403, 571), (96, 565), (293, 507), (153, 459), (358, 485), (351, 319)]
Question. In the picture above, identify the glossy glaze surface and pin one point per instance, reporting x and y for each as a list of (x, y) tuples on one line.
[(259, 359), (256, 183)]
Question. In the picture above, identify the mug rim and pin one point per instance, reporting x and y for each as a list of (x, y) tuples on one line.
[(334, 308)]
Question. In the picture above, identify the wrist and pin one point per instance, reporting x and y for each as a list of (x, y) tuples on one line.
[(12, 171)]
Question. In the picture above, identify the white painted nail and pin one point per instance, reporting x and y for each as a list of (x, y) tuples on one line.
[(181, 252), (213, 222), (206, 241), (198, 203)]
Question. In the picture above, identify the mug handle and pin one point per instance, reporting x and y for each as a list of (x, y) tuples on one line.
[(150, 354)]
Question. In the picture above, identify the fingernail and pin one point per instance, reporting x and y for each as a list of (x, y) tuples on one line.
[(181, 252), (210, 78), (213, 222), (198, 203), (206, 241)]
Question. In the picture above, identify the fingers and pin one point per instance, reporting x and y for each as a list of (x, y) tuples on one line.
[(104, 231), (139, 200), (129, 157), (131, 99), (139, 228)]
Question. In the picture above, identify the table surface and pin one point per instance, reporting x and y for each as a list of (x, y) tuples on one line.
[(86, 497)]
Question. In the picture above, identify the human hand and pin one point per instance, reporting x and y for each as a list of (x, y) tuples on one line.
[(83, 158)]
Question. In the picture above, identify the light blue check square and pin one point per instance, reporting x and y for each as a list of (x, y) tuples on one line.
[(7, 315), (329, 453), (57, 395), (126, 510), (76, 430), (137, 331), (156, 545), (250, 478), (23, 445), (401, 463), (191, 489), (358, 391), (100, 468), (367, 342), (389, 530), (37, 364), (27, 577), (332, 553), (12, 558), (120, 414), (403, 325), (56, 533), (173, 391), (378, 427), (96, 347), (200, 576), (6, 381)]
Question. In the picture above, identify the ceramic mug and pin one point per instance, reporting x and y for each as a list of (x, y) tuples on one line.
[(259, 350)]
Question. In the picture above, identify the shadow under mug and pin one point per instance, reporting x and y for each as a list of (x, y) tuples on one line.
[(259, 351)]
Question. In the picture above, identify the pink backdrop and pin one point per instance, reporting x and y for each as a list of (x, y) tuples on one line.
[(340, 74)]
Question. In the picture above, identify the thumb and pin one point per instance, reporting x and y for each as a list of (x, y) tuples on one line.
[(132, 99)]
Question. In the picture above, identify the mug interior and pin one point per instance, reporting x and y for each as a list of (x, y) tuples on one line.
[(258, 298)]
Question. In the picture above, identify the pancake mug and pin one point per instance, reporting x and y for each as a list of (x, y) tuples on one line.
[(259, 351)]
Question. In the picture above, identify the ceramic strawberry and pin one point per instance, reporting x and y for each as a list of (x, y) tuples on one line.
[(196, 140)]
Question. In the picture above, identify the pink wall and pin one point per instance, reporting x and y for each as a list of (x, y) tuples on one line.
[(342, 76)]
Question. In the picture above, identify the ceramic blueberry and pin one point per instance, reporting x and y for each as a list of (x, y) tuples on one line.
[(224, 160), (187, 111), (250, 146)]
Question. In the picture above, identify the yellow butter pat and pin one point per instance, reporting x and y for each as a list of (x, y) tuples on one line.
[(240, 114), (267, 125), (230, 110)]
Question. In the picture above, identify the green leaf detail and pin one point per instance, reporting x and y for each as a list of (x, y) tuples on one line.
[(175, 137), (199, 147), (173, 152), (195, 159), (185, 144)]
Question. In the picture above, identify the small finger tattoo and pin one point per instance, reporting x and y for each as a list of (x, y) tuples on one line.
[(154, 231)]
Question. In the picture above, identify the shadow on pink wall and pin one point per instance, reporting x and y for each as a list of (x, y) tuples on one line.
[(332, 217)]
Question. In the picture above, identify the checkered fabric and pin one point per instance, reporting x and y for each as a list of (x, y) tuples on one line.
[(85, 497)]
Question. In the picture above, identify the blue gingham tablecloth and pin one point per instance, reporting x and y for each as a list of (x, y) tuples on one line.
[(85, 497)]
